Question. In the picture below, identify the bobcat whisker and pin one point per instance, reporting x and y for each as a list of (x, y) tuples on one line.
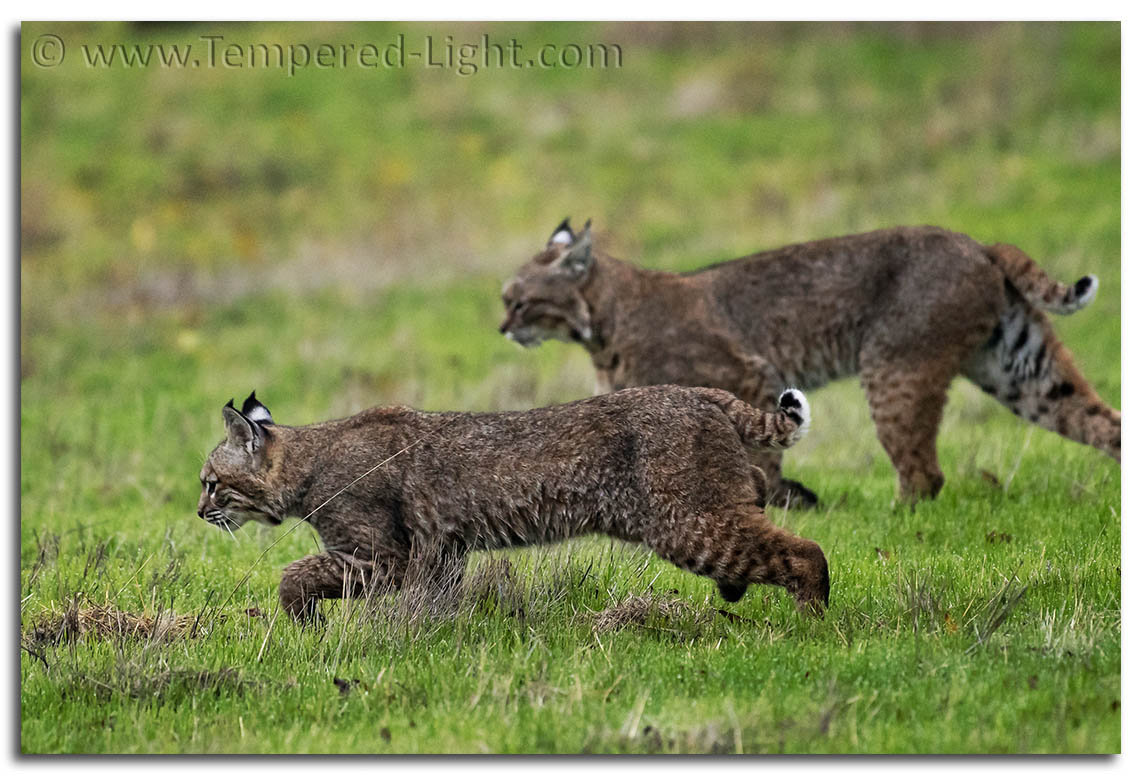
[(224, 524)]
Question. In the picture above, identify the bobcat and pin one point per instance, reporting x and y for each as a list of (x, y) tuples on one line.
[(396, 493), (907, 309)]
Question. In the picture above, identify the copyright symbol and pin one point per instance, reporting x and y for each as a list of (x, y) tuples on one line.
[(48, 50)]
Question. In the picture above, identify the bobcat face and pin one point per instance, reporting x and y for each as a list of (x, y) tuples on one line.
[(544, 299), (234, 485)]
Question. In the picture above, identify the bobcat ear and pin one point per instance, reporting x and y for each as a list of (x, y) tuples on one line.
[(254, 410), (563, 235), (240, 431), (577, 259)]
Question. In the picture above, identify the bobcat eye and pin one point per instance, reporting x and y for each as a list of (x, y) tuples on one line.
[(210, 488)]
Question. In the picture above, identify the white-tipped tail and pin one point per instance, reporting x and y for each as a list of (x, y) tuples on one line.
[(793, 403), (1086, 295)]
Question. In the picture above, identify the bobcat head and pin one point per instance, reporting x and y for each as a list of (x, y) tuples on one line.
[(544, 300), (235, 488)]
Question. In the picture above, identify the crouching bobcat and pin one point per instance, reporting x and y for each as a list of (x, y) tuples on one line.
[(907, 309), (396, 493)]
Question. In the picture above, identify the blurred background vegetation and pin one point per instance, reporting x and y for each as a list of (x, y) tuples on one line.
[(337, 239)]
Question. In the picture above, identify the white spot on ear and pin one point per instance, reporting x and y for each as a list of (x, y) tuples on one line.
[(259, 414), (562, 238)]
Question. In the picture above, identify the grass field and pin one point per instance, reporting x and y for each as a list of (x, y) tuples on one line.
[(337, 239)]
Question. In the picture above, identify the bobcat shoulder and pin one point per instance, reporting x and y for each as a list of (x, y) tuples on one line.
[(906, 309)]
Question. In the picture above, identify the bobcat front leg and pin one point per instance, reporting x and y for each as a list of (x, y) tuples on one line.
[(333, 575)]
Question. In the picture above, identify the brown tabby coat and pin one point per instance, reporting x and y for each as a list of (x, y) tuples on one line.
[(664, 466), (907, 309)]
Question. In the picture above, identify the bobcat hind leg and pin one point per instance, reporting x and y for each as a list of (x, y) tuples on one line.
[(1025, 367), (759, 552), (736, 545)]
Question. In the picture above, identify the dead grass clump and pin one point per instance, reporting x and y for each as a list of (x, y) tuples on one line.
[(652, 612), (107, 621)]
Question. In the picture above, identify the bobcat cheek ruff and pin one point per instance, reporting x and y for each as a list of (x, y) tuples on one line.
[(664, 466)]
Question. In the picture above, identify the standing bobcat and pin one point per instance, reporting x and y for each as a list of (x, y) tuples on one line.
[(396, 493), (907, 309)]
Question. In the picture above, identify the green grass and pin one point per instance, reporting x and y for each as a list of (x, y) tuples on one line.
[(337, 240)]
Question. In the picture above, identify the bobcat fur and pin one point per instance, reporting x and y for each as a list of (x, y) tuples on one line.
[(399, 495), (906, 309)]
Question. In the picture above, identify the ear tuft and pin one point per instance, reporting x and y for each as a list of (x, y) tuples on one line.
[(563, 234), (255, 411)]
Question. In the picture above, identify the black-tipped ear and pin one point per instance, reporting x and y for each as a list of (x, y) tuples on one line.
[(563, 234), (255, 411), (578, 257)]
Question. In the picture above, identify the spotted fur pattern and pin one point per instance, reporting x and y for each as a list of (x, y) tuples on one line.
[(664, 466), (906, 309)]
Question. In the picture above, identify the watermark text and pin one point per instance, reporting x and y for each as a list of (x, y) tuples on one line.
[(446, 53)]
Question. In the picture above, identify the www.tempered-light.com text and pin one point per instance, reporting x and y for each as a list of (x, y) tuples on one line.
[(432, 52)]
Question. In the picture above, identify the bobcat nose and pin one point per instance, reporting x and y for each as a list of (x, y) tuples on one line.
[(201, 513), (506, 324)]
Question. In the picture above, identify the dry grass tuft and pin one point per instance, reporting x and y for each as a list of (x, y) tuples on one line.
[(106, 621), (651, 612)]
